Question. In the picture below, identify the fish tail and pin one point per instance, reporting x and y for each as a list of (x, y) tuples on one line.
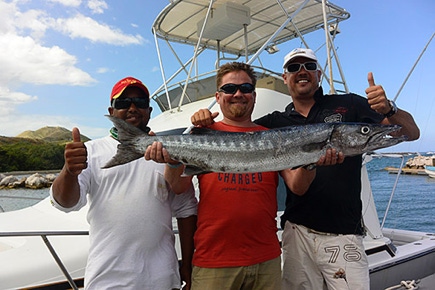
[(126, 151)]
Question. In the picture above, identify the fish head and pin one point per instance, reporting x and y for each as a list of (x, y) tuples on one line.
[(357, 138)]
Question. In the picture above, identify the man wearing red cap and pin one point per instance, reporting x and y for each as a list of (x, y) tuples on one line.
[(130, 206)]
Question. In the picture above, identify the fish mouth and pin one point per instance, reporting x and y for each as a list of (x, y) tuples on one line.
[(383, 137)]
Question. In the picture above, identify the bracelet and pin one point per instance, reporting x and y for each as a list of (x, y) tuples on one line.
[(176, 165), (393, 109)]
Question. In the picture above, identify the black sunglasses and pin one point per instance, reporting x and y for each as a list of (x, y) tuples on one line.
[(245, 88), (125, 103), (295, 67)]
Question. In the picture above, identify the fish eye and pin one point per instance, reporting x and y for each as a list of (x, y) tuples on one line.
[(365, 130)]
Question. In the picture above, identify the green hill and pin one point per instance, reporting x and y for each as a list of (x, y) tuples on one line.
[(50, 134), (35, 150)]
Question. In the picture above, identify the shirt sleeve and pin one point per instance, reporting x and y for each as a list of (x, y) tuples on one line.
[(185, 204), (267, 120), (81, 203)]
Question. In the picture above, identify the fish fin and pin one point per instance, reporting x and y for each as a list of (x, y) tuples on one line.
[(193, 170), (204, 131), (126, 150), (208, 131)]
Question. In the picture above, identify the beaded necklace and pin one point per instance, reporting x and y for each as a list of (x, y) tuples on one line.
[(114, 133)]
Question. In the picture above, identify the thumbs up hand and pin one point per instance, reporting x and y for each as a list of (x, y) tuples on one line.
[(75, 154), (76, 135), (376, 96)]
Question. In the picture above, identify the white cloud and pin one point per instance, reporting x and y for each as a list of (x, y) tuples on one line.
[(68, 3), (81, 26), (103, 70), (7, 21), (24, 60), (33, 21), (8, 101), (97, 6), (6, 96)]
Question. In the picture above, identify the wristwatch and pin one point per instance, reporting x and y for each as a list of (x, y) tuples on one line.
[(393, 109)]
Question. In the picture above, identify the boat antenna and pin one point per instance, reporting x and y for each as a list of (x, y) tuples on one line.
[(412, 69)]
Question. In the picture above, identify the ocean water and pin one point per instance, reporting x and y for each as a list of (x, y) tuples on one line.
[(13, 199), (412, 206), (413, 203)]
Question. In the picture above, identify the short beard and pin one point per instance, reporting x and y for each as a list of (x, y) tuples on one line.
[(238, 112)]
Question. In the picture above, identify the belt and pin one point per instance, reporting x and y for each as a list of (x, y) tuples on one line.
[(311, 231), (321, 233)]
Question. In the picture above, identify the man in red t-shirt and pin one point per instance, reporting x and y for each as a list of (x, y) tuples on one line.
[(236, 245)]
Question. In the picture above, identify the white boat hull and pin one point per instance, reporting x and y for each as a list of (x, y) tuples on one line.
[(29, 262), (430, 170), (414, 259)]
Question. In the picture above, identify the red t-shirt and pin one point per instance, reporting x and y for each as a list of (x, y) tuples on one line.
[(236, 216)]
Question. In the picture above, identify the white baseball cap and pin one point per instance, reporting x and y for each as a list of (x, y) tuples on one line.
[(299, 52)]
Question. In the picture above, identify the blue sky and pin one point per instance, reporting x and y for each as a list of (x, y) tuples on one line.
[(60, 58)]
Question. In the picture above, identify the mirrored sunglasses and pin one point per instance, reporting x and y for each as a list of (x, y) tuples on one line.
[(295, 67), (125, 103), (245, 88)]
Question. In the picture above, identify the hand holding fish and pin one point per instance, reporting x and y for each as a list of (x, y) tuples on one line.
[(300, 179), (173, 171), (75, 154), (158, 153), (331, 157), (376, 96), (203, 118)]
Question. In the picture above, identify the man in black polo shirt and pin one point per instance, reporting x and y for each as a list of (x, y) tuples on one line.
[(323, 230)]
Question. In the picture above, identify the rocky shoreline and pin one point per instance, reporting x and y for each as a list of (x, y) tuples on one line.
[(32, 181)]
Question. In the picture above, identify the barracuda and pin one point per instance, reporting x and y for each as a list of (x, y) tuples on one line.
[(207, 150)]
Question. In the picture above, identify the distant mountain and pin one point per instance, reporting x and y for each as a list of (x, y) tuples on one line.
[(14, 140), (50, 134), (42, 149)]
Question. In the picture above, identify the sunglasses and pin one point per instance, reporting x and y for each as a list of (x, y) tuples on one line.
[(245, 88), (125, 103), (295, 67)]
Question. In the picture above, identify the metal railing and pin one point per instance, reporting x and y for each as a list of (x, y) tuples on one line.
[(44, 235)]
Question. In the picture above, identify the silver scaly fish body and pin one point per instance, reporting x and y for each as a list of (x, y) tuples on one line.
[(259, 151)]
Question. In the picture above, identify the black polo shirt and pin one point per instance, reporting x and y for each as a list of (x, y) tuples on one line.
[(332, 203)]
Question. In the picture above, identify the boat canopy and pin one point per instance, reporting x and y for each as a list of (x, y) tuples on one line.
[(241, 28), (182, 21)]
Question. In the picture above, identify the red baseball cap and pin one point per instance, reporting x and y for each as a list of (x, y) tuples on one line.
[(121, 85)]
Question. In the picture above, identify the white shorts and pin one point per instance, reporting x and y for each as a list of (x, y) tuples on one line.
[(312, 259)]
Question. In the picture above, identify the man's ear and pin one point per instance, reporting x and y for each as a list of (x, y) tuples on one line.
[(319, 75), (217, 97)]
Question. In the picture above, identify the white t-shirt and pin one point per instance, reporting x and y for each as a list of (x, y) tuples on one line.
[(130, 216)]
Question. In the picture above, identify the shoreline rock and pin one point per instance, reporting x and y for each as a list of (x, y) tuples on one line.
[(33, 181)]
